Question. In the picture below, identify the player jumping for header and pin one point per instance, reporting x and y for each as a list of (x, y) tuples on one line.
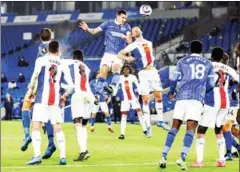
[(148, 75), (117, 35)]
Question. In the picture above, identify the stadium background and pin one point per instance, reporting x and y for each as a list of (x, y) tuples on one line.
[(171, 27)]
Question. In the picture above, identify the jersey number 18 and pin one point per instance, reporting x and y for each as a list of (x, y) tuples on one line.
[(197, 71)]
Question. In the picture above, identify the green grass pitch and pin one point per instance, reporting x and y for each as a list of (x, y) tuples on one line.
[(108, 154)]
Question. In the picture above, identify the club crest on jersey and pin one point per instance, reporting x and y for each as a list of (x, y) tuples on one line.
[(123, 29)]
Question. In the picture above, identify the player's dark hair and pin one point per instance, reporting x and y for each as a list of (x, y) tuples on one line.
[(196, 47), (127, 66), (121, 12), (53, 47), (217, 54), (225, 58), (45, 34), (78, 55)]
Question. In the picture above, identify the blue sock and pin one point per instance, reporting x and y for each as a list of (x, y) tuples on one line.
[(100, 86), (93, 121), (228, 139), (115, 79), (235, 144), (187, 143), (169, 141), (50, 133), (26, 122), (109, 122)]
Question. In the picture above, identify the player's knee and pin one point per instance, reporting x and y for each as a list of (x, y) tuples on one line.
[(145, 101), (84, 122), (36, 126), (76, 125), (158, 97), (227, 126), (116, 68), (238, 116), (77, 120), (139, 111), (218, 129), (57, 128), (124, 113), (201, 130)]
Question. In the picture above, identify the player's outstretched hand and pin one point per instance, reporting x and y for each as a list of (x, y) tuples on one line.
[(83, 25), (172, 97)]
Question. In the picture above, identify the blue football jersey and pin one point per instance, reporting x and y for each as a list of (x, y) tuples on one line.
[(195, 75), (113, 36), (43, 49), (93, 84), (233, 95)]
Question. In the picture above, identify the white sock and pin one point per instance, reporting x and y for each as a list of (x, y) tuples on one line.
[(159, 109), (142, 122), (60, 137), (221, 147), (200, 142), (78, 134), (146, 113), (84, 138), (123, 124), (36, 142)]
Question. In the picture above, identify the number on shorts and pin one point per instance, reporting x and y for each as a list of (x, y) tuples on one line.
[(198, 71)]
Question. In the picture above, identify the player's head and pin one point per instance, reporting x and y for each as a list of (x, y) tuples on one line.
[(78, 55), (196, 47), (126, 70), (217, 54), (45, 35), (136, 32), (54, 47), (121, 17), (225, 59), (237, 50)]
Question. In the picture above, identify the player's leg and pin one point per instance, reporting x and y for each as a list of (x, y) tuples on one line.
[(169, 141), (56, 120), (146, 113), (26, 120), (136, 106), (220, 120), (93, 120), (159, 109), (207, 120), (81, 132), (228, 139), (105, 109), (103, 73), (95, 109), (125, 106), (193, 110), (187, 142), (116, 69), (40, 115), (51, 146)]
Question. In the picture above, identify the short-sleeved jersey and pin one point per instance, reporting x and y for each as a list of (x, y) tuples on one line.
[(49, 71), (42, 49), (219, 96), (142, 52), (80, 75), (193, 73), (126, 85), (93, 84), (113, 35)]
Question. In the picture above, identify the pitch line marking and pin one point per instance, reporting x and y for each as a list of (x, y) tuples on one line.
[(96, 165)]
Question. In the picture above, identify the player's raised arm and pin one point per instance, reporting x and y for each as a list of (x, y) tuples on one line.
[(176, 76), (36, 72), (123, 53), (128, 37), (92, 31)]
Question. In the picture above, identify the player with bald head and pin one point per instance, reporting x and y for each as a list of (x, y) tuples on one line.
[(142, 51)]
